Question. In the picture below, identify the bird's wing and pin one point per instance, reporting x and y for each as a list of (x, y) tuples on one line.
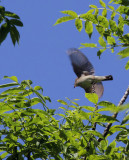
[(81, 64), (96, 88)]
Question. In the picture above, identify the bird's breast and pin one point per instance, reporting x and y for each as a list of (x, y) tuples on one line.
[(85, 81)]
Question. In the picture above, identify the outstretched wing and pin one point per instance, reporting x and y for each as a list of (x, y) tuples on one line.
[(81, 64)]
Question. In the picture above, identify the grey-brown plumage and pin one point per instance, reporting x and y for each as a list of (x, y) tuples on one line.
[(85, 73)]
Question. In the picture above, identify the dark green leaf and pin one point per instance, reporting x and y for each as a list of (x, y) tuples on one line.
[(64, 19), (10, 14), (14, 34), (16, 22), (4, 30), (8, 85), (100, 52), (78, 24), (70, 13)]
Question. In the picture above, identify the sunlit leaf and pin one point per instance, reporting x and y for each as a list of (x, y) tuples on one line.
[(62, 102), (127, 65), (64, 19), (102, 42), (92, 97), (104, 13), (78, 24), (124, 53), (89, 28), (92, 6), (111, 40), (14, 78), (92, 45), (70, 13), (102, 3)]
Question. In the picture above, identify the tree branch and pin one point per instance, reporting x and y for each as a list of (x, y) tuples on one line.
[(123, 99)]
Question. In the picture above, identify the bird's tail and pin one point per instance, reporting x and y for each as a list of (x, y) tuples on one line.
[(108, 78)]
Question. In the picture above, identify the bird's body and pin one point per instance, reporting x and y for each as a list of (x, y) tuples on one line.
[(85, 73)]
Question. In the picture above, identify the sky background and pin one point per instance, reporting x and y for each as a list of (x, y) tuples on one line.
[(41, 55)]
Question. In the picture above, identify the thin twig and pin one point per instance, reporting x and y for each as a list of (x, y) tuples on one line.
[(123, 99)]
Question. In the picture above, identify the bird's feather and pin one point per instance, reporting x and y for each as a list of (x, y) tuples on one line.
[(81, 64)]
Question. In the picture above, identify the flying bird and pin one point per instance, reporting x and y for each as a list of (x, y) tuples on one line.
[(85, 72)]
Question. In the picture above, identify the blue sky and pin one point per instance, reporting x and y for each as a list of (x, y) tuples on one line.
[(41, 55)]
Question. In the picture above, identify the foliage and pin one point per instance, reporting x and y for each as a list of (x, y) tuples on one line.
[(29, 129), (109, 21), (8, 24)]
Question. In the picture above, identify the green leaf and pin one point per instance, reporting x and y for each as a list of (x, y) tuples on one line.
[(88, 108), (113, 25), (63, 19), (104, 12), (92, 97), (126, 118), (102, 3), (105, 119), (100, 29), (4, 30), (103, 21), (111, 7), (8, 85), (38, 88), (95, 133), (62, 102), (16, 22), (124, 53), (106, 104), (100, 52), (14, 34), (14, 78), (102, 42), (10, 14), (92, 45), (70, 13), (113, 15), (92, 6), (127, 65), (78, 24), (89, 17), (88, 28), (90, 11), (111, 40)]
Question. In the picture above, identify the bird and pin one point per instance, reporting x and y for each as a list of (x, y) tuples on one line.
[(85, 72)]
